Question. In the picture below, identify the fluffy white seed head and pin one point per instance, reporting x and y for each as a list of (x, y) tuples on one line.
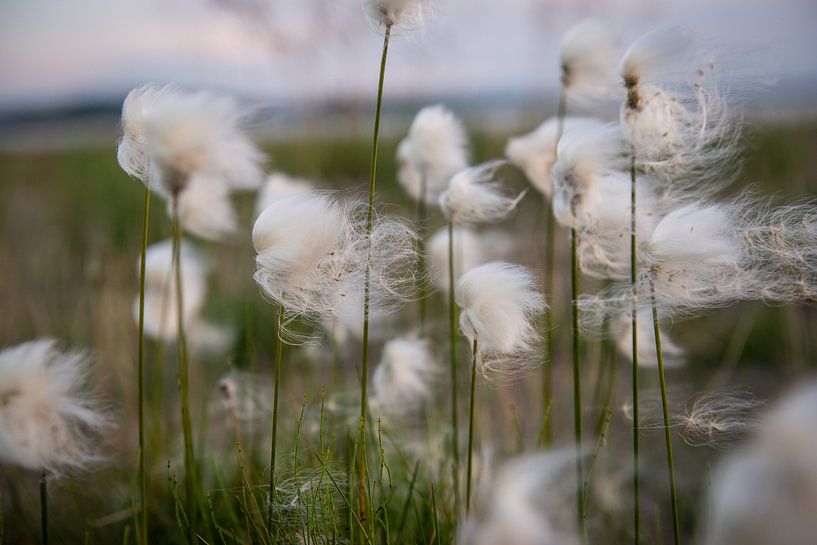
[(535, 152), (396, 15), (767, 493), (403, 379), (474, 196), (170, 136), (587, 55), (435, 149), (471, 249), (244, 396), (499, 304), (622, 328), (280, 185), (524, 504), (312, 252), (206, 209), (49, 419), (720, 418)]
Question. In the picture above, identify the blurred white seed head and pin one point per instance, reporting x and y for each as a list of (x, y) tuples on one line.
[(280, 185), (621, 329), (435, 149), (395, 14), (587, 56), (720, 418), (499, 304), (474, 196), (471, 249), (767, 492), (524, 504), (244, 396), (49, 418), (206, 209), (403, 379), (170, 136), (312, 253)]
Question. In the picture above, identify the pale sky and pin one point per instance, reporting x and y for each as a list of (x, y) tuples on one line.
[(56, 51)]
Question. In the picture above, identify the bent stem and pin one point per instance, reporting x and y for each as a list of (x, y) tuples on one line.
[(676, 523), (471, 425), (452, 323), (634, 326), (577, 381), (364, 368), (143, 515), (44, 507), (279, 350), (184, 379)]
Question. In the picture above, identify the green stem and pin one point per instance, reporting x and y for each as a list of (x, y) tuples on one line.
[(44, 507), (452, 323), (577, 380), (547, 369), (634, 326), (184, 379), (143, 515), (421, 257), (364, 369), (471, 426), (279, 350), (676, 523)]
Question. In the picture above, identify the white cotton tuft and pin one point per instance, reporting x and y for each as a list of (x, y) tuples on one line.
[(535, 152), (206, 209), (435, 149), (694, 233), (499, 304), (767, 492), (587, 56), (403, 379), (395, 14), (312, 254), (622, 331), (280, 185), (473, 196), (524, 504), (49, 419), (471, 249)]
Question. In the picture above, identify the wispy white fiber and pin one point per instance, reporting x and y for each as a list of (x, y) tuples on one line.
[(474, 196), (587, 56), (397, 15)]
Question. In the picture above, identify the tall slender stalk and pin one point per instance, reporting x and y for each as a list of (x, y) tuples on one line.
[(184, 378), (44, 507), (279, 351), (364, 368), (452, 336), (421, 254), (634, 326), (577, 380), (676, 523), (143, 515), (471, 425), (547, 369)]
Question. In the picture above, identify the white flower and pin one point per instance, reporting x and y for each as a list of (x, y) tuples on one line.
[(280, 185), (535, 152), (474, 197), (48, 418), (395, 14), (403, 378), (498, 305), (435, 149), (524, 504), (312, 253), (587, 55)]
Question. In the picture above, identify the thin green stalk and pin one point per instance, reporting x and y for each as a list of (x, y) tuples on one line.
[(452, 322), (471, 426), (577, 380), (44, 507), (143, 514), (547, 369), (634, 326), (184, 379), (279, 350), (364, 369), (421, 257), (676, 523)]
